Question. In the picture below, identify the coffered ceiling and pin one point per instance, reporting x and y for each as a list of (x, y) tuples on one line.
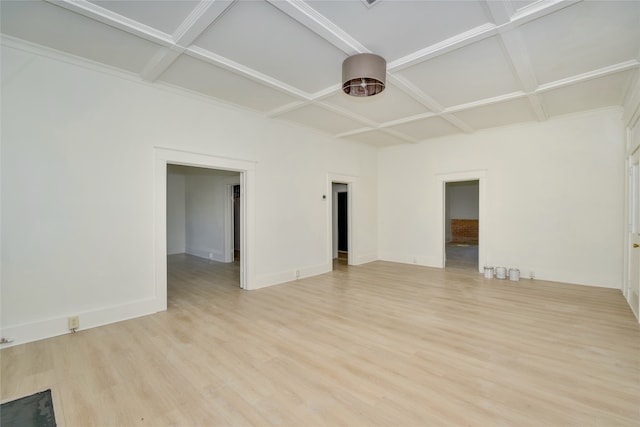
[(452, 66)]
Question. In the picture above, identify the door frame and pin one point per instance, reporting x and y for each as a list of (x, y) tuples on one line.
[(228, 225), (632, 149), (165, 156), (350, 181), (443, 179), (632, 231)]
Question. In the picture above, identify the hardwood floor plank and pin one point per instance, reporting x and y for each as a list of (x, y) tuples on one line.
[(378, 344)]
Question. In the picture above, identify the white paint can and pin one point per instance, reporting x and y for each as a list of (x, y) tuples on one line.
[(488, 272), (501, 273), (514, 274)]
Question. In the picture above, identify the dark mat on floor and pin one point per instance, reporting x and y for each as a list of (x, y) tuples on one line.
[(31, 411)]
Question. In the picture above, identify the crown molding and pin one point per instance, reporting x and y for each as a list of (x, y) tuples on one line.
[(631, 102), (64, 57)]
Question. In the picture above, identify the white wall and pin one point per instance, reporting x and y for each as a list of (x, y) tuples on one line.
[(196, 203), (176, 212), (554, 195), (461, 202), (77, 175), (205, 213)]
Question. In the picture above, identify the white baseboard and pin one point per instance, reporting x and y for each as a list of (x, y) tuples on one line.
[(55, 326), (366, 258), (175, 251), (423, 261), (264, 280), (213, 255)]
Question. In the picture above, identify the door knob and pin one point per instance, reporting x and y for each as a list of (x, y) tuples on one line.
[(635, 245)]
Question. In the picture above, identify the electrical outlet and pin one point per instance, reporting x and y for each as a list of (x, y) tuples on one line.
[(297, 274), (532, 274), (74, 323)]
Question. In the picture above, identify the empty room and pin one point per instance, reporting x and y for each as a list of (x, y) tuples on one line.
[(320, 213)]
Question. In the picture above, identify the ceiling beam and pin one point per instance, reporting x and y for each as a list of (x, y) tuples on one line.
[(100, 14), (205, 13), (200, 18), (579, 78), (244, 71), (316, 22), (456, 42), (515, 51), (414, 92)]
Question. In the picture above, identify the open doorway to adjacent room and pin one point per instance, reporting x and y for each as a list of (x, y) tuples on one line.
[(236, 222), (340, 223), (462, 215), (203, 229)]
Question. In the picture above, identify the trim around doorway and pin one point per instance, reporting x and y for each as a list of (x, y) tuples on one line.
[(164, 156), (481, 177)]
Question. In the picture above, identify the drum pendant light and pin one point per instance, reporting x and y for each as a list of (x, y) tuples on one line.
[(364, 74)]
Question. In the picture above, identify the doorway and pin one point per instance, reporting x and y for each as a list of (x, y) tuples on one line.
[(340, 221), (341, 243), (236, 223), (198, 220), (246, 171), (462, 224), (479, 176)]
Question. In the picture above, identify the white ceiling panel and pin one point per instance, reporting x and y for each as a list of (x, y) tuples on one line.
[(455, 62), (54, 27), (500, 114), (473, 72), (395, 29), (165, 16), (376, 108), (431, 127), (322, 119), (584, 37), (595, 93), (377, 138), (219, 83), (258, 35)]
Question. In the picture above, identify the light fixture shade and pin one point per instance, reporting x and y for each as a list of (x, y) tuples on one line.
[(364, 74)]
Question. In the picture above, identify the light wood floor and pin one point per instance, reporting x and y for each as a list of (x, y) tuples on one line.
[(379, 344)]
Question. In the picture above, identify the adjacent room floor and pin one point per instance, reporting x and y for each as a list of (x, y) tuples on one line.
[(378, 344), (462, 256)]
